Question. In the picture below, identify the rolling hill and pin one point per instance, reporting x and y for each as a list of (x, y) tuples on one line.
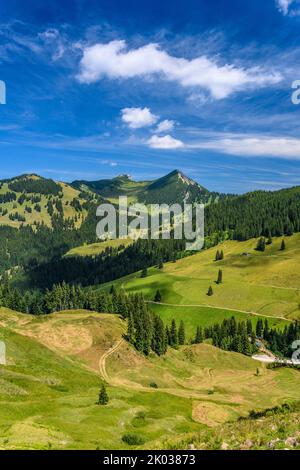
[(32, 200), (55, 363)]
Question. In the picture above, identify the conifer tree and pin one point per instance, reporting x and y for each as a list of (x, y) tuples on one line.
[(199, 335), (103, 396), (220, 277), (221, 255), (144, 272), (157, 297), (210, 291), (261, 244), (217, 257), (259, 328), (173, 335), (282, 246), (181, 334), (130, 329)]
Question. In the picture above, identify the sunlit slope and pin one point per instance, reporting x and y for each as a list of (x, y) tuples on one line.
[(94, 249), (31, 204), (50, 385), (265, 283)]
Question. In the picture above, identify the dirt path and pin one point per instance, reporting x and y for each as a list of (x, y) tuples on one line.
[(219, 308), (102, 360)]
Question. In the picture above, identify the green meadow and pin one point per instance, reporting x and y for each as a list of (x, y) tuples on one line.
[(261, 283), (50, 384)]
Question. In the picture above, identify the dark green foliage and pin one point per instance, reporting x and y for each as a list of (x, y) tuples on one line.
[(231, 335), (238, 336), (261, 244), (256, 214), (219, 255), (29, 185), (173, 335), (133, 439), (210, 291), (220, 277), (157, 297), (282, 246), (144, 272), (199, 335), (153, 385), (7, 197), (181, 334), (103, 396)]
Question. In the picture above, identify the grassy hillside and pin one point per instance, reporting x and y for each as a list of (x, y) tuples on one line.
[(263, 283), (94, 249), (49, 387), (29, 196)]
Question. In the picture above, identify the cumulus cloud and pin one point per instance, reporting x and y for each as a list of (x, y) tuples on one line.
[(283, 6), (115, 61), (138, 117), (253, 146), (165, 126), (165, 142)]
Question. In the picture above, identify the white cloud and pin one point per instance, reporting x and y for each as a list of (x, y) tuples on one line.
[(283, 6), (138, 117), (253, 146), (115, 61), (166, 142), (165, 126)]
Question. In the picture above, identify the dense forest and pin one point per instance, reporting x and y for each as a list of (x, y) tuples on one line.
[(256, 214)]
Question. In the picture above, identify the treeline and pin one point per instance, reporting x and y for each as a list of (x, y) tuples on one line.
[(279, 341), (232, 335), (108, 265), (255, 214), (30, 185), (146, 331), (244, 338)]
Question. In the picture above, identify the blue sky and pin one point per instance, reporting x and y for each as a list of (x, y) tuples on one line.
[(100, 88)]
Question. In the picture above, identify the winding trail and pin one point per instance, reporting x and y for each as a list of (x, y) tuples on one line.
[(102, 360), (219, 308)]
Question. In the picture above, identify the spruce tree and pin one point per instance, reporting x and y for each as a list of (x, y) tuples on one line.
[(144, 272), (130, 329), (217, 257), (103, 396), (261, 244), (181, 334), (282, 246), (210, 291), (157, 297), (221, 255), (173, 335), (199, 335), (220, 277)]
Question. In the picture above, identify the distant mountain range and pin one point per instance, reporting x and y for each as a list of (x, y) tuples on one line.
[(33, 200), (175, 187)]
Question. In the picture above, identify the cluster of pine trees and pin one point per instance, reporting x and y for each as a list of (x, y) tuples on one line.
[(256, 214), (232, 335), (279, 341)]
